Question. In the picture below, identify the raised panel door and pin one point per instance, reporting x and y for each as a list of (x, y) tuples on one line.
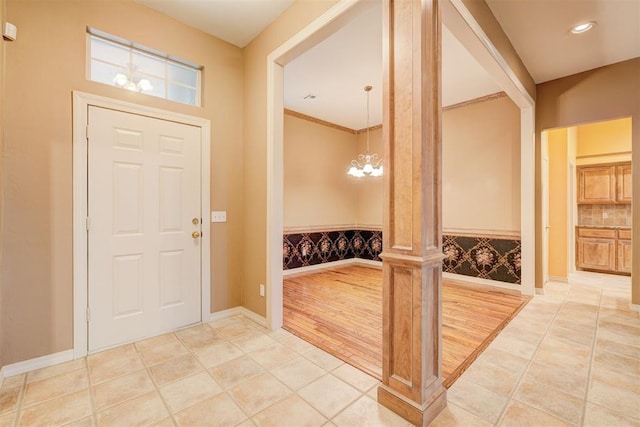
[(596, 254), (596, 184), (624, 256), (623, 183), (144, 191)]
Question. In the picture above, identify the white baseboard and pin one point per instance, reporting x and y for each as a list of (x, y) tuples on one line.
[(634, 307), (330, 265), (539, 291), (558, 279), (235, 311), (368, 263), (230, 312), (480, 281), (262, 321), (37, 363)]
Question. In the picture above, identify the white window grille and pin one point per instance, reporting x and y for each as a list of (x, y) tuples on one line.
[(118, 62)]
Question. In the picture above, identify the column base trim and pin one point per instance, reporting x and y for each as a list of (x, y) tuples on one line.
[(411, 411)]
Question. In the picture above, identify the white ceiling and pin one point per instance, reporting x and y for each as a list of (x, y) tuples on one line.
[(539, 31), (235, 21), (337, 70)]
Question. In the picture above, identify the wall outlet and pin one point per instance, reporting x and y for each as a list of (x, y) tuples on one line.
[(218, 216), (261, 290), (605, 215)]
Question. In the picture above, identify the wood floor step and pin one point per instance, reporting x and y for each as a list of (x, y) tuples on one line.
[(340, 311)]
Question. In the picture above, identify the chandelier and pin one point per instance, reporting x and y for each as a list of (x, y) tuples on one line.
[(366, 164), (127, 82)]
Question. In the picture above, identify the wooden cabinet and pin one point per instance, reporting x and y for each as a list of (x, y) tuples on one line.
[(624, 251), (604, 184), (623, 183), (596, 249), (603, 249), (596, 184)]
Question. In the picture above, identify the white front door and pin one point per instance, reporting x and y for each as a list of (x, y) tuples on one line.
[(144, 264)]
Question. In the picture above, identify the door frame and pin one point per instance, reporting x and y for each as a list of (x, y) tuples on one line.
[(81, 103), (572, 214), (544, 221), (318, 30)]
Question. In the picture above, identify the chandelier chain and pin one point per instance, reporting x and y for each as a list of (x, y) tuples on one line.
[(368, 89), (366, 164)]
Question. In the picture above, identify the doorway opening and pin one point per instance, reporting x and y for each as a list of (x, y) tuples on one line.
[(589, 197), (457, 19)]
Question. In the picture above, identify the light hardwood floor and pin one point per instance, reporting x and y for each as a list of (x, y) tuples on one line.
[(340, 311)]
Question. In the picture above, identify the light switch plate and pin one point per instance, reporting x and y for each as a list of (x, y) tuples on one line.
[(218, 216), (10, 31)]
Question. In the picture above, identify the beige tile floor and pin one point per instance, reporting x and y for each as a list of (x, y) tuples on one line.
[(571, 357)]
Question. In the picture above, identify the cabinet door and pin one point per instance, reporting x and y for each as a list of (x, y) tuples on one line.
[(624, 256), (623, 183), (596, 254), (596, 184)]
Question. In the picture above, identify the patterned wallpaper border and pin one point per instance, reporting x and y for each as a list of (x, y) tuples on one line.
[(483, 257), (476, 256), (305, 249)]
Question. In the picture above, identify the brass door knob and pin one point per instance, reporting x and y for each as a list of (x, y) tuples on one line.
[(195, 234)]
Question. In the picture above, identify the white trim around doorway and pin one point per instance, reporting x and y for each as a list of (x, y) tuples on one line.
[(468, 31), (81, 103), (308, 37)]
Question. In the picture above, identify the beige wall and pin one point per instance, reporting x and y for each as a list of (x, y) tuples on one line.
[(558, 169), (254, 179), (481, 166), (44, 66), (2, 66), (317, 189), (602, 142), (369, 191), (481, 171), (605, 93)]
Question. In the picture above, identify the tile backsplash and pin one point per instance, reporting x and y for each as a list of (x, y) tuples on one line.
[(616, 215)]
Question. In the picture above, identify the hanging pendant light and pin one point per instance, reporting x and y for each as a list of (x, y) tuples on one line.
[(366, 164), (128, 82)]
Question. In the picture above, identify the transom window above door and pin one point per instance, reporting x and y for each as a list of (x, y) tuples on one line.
[(118, 62)]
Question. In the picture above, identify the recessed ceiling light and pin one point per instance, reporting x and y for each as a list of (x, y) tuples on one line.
[(582, 27)]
